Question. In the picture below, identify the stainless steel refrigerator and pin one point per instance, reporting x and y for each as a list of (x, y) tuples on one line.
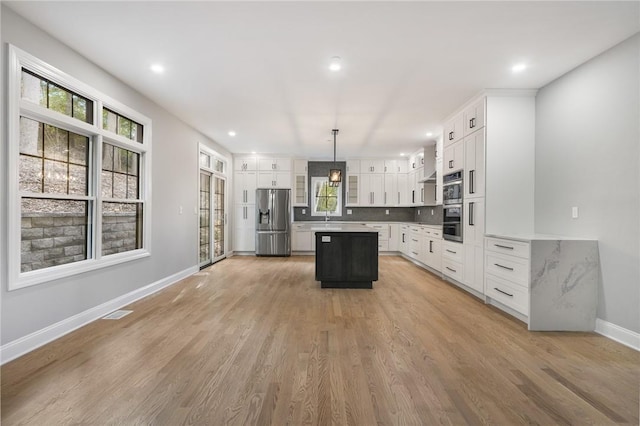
[(273, 222)]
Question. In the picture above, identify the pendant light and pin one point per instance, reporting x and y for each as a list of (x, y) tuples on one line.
[(335, 174)]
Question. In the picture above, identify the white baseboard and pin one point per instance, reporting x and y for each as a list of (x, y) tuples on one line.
[(28, 343), (619, 334)]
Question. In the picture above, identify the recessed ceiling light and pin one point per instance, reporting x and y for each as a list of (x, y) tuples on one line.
[(231, 133), (157, 68), (519, 67), (253, 152), (335, 64), (402, 154), (429, 134)]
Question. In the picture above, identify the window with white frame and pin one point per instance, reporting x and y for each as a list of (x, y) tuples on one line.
[(327, 199), (79, 176)]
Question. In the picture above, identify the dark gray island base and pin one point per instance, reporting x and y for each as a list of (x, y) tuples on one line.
[(347, 259)]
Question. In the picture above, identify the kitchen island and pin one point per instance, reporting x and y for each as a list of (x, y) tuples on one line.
[(346, 255)]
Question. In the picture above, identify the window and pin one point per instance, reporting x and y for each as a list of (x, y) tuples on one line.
[(79, 188), (327, 200)]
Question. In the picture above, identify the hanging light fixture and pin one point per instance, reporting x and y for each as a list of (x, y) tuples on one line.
[(335, 174)]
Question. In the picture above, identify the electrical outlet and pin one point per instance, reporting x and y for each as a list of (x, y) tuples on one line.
[(574, 212), (431, 212), (180, 210), (386, 211), (418, 212), (304, 211), (349, 211)]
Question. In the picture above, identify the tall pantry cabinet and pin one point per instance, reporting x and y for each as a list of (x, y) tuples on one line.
[(491, 139)]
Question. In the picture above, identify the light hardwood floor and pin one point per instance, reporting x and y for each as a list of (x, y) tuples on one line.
[(256, 341)]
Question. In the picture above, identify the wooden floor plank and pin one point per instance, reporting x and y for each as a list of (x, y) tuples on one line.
[(256, 341)]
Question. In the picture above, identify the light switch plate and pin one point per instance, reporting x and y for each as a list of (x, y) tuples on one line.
[(574, 212), (349, 211), (304, 211), (386, 211)]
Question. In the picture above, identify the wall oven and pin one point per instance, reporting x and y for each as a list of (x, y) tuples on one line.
[(452, 188), (452, 207)]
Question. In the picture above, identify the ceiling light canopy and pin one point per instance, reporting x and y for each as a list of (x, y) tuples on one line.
[(429, 134), (231, 133), (157, 68), (519, 67), (335, 64)]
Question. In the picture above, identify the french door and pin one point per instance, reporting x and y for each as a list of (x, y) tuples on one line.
[(213, 216)]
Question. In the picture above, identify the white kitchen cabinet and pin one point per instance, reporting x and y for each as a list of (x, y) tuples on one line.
[(371, 166), (274, 179), (454, 129), (403, 241), (474, 116), (244, 187), (430, 194), (353, 167), (244, 228), (353, 190), (433, 248), (300, 167), (243, 164), (372, 189), (453, 157), (403, 190), (402, 165), (390, 166), (452, 260), (383, 235), (412, 189), (474, 165), (301, 238), (300, 188), (473, 216), (391, 189), (416, 243), (473, 267), (507, 269), (394, 236), (274, 164)]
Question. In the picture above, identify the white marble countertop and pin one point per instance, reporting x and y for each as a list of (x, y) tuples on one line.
[(334, 223), (537, 237)]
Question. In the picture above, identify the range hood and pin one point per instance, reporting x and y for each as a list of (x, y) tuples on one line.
[(429, 165)]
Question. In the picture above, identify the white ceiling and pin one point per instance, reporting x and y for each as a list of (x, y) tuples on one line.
[(260, 68)]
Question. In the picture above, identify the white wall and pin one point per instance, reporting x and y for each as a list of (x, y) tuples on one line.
[(174, 243), (587, 155)]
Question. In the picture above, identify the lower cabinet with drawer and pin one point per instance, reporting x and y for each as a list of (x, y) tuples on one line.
[(452, 260), (536, 281)]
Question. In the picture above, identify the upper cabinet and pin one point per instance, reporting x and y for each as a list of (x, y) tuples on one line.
[(453, 158), (300, 167), (454, 129), (353, 166), (474, 116), (372, 166), (275, 164), (243, 164), (474, 165)]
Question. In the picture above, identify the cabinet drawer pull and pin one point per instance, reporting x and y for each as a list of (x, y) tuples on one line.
[(503, 267), (472, 183), (414, 253), (451, 251), (503, 292), (472, 123), (415, 241), (450, 136), (452, 270), (472, 221), (451, 164), (430, 246), (504, 247)]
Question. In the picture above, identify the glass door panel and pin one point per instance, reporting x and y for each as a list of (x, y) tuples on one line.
[(219, 213), (205, 218)]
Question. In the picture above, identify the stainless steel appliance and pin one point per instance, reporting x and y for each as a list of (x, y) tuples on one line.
[(452, 206), (452, 188), (452, 222), (273, 221)]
